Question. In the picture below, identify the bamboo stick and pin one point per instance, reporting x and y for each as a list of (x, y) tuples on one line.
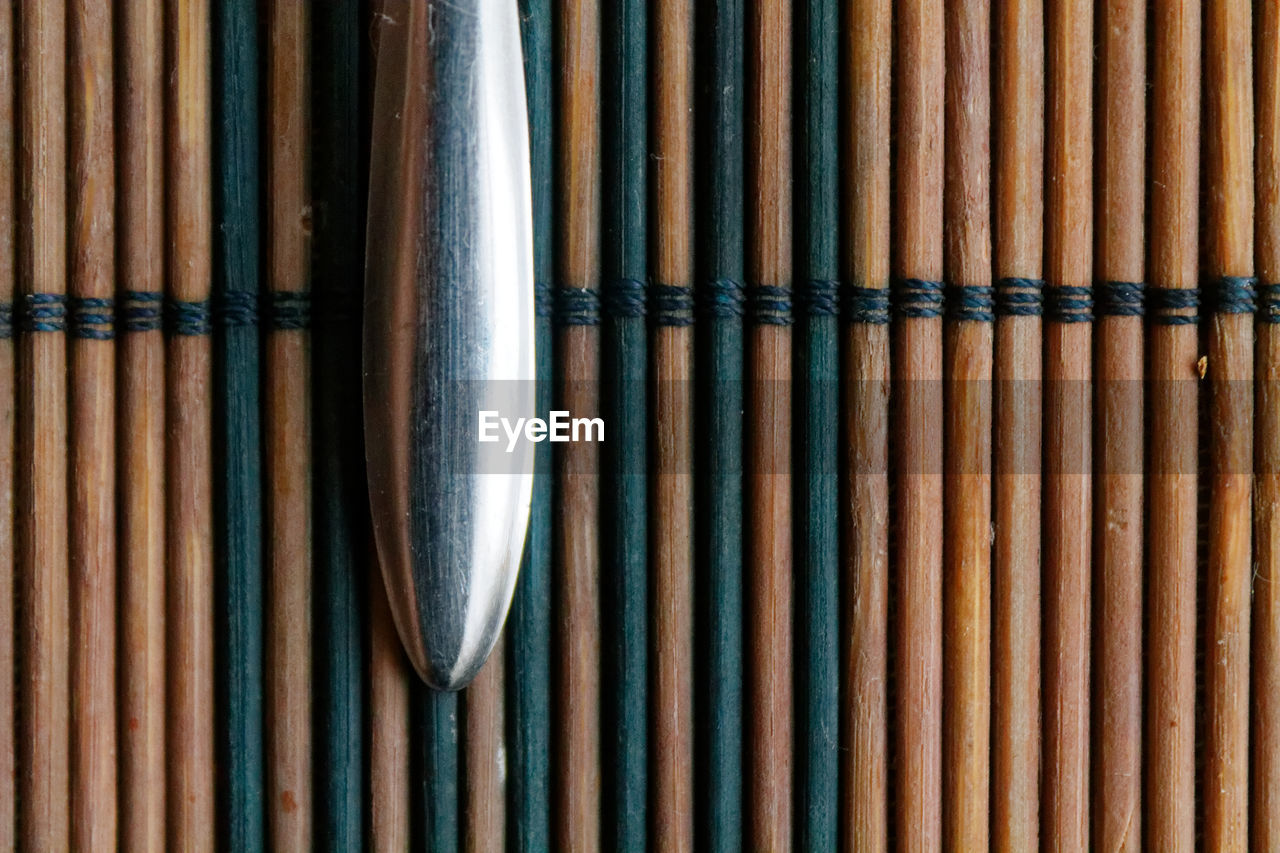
[(1228, 245), (1019, 228), (287, 434), (529, 635), (817, 415), (576, 811), (388, 724), (917, 365), (1172, 349), (483, 815), (967, 489), (8, 280), (1264, 783), (141, 394), (92, 429), (1118, 250), (189, 536), (41, 492), (719, 777), (672, 364), (623, 388), (865, 503), (768, 353), (1068, 483)]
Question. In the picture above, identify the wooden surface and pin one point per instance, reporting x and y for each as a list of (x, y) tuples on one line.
[(41, 468), (140, 451), (917, 429), (189, 537), (483, 816), (1264, 733), (287, 439), (865, 513), (91, 415), (389, 675), (671, 357), (1117, 581), (1018, 163), (967, 490), (1227, 243), (576, 799), (768, 419), (8, 280)]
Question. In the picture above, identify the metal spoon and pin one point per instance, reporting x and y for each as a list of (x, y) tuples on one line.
[(448, 329)]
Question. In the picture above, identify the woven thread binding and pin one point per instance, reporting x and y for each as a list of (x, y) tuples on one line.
[(769, 305), (918, 298), (1173, 306), (972, 303), (671, 305), (1019, 297), (1120, 298), (576, 306), (868, 305)]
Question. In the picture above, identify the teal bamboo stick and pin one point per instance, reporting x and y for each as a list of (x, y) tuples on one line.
[(339, 487), (624, 136), (529, 625), (817, 374), (720, 359), (237, 443), (434, 771)]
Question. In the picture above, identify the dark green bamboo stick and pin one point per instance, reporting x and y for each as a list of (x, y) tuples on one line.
[(817, 374), (719, 486), (529, 625), (624, 357), (237, 443), (339, 489), (434, 771)]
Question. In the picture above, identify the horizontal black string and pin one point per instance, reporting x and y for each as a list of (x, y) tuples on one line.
[(868, 305), (917, 298), (1120, 298), (287, 310), (1233, 294), (971, 303), (140, 310), (184, 318), (1173, 306), (92, 318), (1019, 297), (236, 308), (769, 305), (543, 301), (671, 305), (1269, 303), (720, 298), (1066, 303), (819, 297), (42, 312), (624, 298), (576, 306)]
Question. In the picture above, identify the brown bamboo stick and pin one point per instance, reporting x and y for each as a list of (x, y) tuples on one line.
[(1172, 389), (865, 509), (768, 434), (967, 489), (1118, 253), (1019, 229), (188, 460), (287, 433), (1228, 248), (1068, 483), (41, 488), (140, 462), (388, 725), (917, 365), (92, 429), (8, 280), (576, 805), (483, 815), (1264, 735), (672, 356)]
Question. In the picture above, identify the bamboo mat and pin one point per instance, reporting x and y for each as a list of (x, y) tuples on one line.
[(935, 345)]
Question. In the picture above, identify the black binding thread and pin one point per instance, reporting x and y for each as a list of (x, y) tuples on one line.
[(868, 305), (720, 298), (6, 321), (140, 310), (543, 301), (820, 297), (624, 298), (577, 306), (288, 310), (671, 305), (1234, 294), (183, 318), (1120, 298), (918, 298), (1269, 303), (1019, 297), (92, 318), (236, 308), (973, 303), (43, 312), (769, 305), (1165, 306), (1065, 303)]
